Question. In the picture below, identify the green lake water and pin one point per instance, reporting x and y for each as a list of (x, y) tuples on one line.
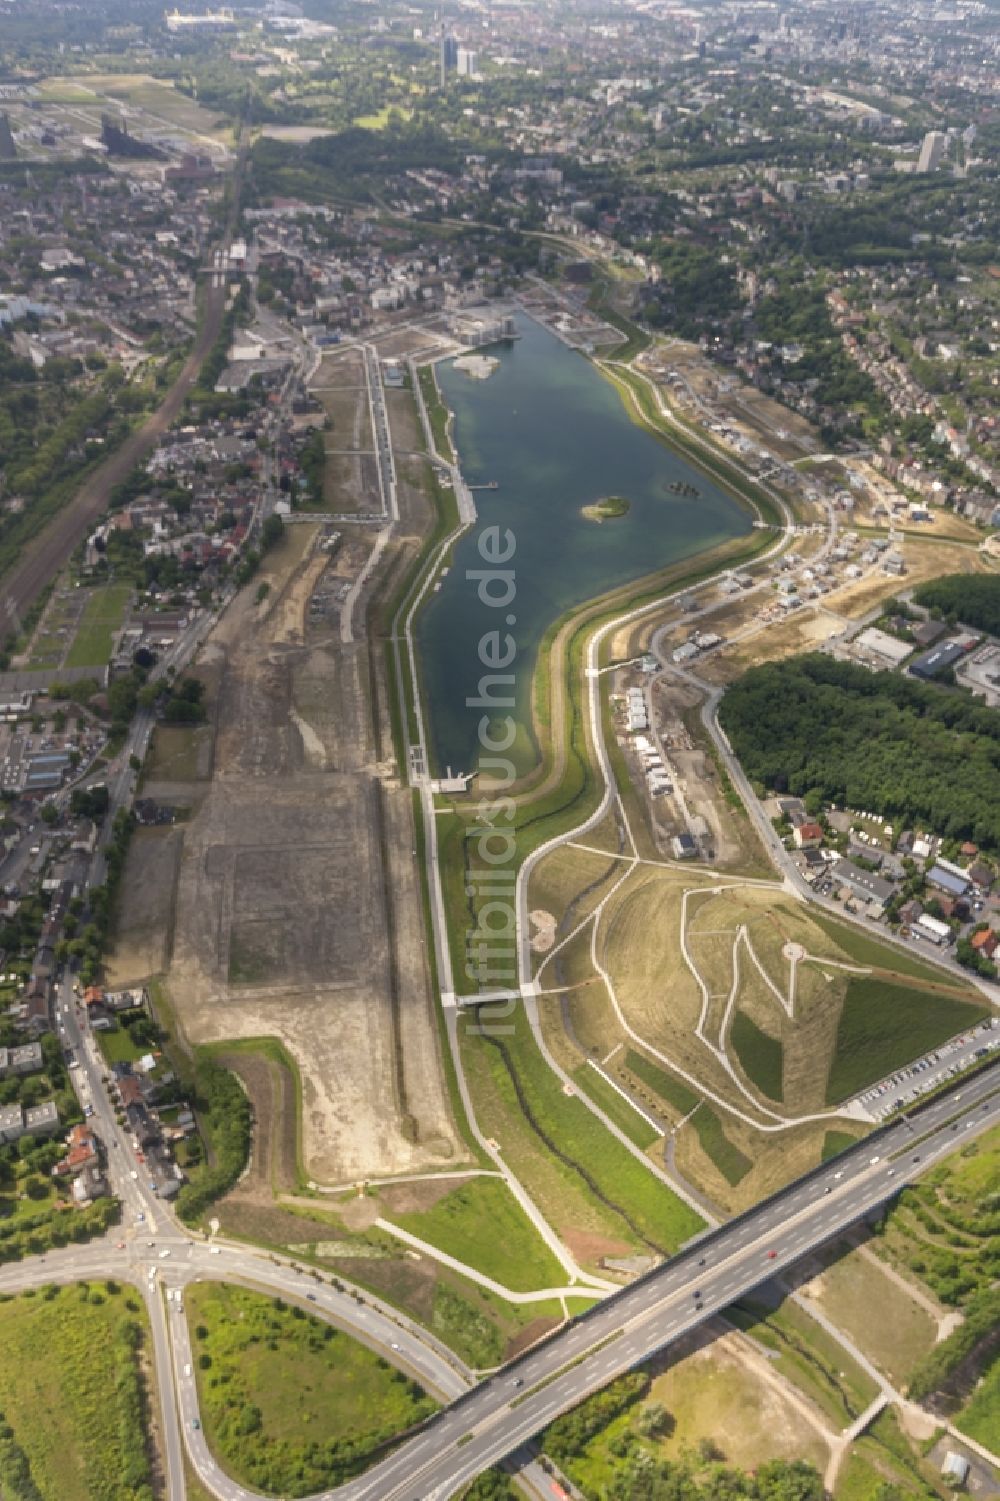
[(555, 436)]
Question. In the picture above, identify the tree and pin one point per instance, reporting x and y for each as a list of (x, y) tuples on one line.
[(655, 1421), (272, 532)]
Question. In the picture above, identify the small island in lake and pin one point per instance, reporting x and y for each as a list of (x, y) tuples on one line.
[(608, 509)]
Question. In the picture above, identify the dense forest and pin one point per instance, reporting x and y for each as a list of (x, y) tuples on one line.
[(972, 599), (917, 754)]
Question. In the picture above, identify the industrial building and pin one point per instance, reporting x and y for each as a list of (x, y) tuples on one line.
[(931, 664)]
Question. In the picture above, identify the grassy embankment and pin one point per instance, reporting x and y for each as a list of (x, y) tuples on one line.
[(943, 1230), (760, 1055), (634, 340), (616, 1108), (869, 1045), (437, 412), (291, 1405), (73, 1395), (581, 1176), (703, 1120), (858, 946)]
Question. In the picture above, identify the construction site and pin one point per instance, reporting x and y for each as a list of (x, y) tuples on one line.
[(290, 889)]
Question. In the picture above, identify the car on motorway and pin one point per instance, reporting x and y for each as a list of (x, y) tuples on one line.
[(195, 1424)]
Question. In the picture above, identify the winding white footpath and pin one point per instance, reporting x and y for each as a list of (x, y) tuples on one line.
[(172, 1257)]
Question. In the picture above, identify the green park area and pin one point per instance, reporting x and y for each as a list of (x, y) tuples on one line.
[(103, 614), (74, 1395), (481, 1224), (581, 1176), (290, 1405)]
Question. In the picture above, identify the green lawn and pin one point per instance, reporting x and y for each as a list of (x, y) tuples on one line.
[(883, 1025), (117, 1046), (835, 1142), (676, 1093), (381, 120), (72, 1395), (289, 1404), (573, 1136), (731, 1162), (437, 412), (617, 1109), (482, 1224), (858, 946), (761, 1056), (102, 617)]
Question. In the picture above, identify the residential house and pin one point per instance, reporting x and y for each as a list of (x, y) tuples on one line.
[(89, 1185), (26, 1059), (41, 1120), (83, 1151), (11, 1123), (985, 942)]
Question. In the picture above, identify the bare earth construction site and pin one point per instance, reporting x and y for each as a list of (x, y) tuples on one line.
[(297, 911)]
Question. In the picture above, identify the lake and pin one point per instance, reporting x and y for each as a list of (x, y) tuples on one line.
[(555, 436)]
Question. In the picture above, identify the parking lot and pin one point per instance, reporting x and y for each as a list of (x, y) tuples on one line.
[(908, 1084)]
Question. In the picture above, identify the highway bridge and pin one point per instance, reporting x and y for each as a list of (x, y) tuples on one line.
[(501, 1414)]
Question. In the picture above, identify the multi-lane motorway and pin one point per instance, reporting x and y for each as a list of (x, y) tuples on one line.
[(503, 1412), (486, 1423)]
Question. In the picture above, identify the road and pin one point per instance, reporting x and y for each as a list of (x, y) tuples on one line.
[(624, 1330), (781, 858), (503, 1412), (491, 1421)]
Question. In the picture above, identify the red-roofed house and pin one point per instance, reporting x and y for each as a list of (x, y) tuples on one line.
[(82, 1153), (985, 942)]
